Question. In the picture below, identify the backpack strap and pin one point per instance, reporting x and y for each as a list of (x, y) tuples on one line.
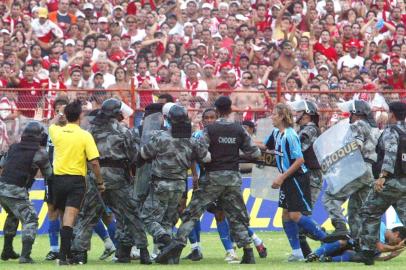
[(398, 130)]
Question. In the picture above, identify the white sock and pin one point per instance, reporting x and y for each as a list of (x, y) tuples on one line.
[(135, 251), (256, 239), (108, 244), (231, 251), (297, 252), (194, 246), (55, 248)]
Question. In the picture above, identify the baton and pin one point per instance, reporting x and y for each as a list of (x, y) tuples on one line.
[(266, 159), (105, 208)]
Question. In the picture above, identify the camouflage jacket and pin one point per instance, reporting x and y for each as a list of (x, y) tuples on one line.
[(389, 141), (172, 157), (308, 134), (119, 144), (366, 138)]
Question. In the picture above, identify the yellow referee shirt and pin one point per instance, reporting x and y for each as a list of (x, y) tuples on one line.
[(73, 147)]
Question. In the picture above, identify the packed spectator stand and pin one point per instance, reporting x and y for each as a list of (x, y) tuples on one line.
[(257, 52)]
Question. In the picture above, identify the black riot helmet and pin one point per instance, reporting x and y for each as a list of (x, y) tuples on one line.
[(306, 107), (33, 132), (179, 121), (362, 108), (111, 107)]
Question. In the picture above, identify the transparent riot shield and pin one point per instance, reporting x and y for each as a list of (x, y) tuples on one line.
[(339, 156), (262, 176)]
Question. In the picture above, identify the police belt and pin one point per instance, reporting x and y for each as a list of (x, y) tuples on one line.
[(111, 163), (157, 178)]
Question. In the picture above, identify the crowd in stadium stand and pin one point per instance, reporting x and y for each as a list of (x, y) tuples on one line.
[(51, 46)]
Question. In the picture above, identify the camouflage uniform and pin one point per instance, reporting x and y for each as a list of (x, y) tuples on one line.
[(142, 177), (171, 159), (117, 146), (142, 183), (224, 186), (394, 191), (308, 134), (15, 200), (358, 190)]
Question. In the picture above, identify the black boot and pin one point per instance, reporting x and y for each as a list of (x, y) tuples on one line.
[(365, 256), (340, 233), (144, 256), (26, 252), (248, 257), (195, 255), (79, 257), (164, 240), (124, 254), (170, 252), (8, 251)]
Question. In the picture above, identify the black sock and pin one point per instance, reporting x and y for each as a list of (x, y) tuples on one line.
[(66, 239), (304, 245)]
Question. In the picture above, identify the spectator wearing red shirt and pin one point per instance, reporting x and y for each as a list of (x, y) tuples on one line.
[(262, 19), (15, 15), (54, 84), (324, 46), (27, 100), (398, 78)]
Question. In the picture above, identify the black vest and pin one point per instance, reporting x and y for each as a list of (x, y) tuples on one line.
[(225, 143), (18, 166), (309, 156)]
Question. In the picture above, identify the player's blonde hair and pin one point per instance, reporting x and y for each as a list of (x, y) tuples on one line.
[(285, 112)]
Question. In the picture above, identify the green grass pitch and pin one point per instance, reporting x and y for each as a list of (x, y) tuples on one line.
[(213, 252)]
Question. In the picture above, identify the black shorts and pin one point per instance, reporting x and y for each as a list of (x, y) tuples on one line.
[(68, 190), (294, 194)]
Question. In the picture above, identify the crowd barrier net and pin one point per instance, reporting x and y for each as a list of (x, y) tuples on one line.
[(19, 106)]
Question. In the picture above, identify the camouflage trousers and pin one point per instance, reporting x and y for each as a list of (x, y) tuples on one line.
[(10, 225), (356, 192), (377, 203), (142, 182), (20, 210), (160, 209), (231, 200), (316, 183), (130, 229)]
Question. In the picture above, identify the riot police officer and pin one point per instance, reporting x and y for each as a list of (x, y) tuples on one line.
[(172, 152), (20, 166), (364, 132), (307, 118), (390, 187), (118, 150), (225, 139)]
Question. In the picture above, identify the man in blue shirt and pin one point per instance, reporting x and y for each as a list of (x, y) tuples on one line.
[(293, 181)]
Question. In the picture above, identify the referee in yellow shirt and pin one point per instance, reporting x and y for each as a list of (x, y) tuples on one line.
[(73, 148)]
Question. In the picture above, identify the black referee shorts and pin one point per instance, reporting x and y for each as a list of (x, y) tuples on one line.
[(294, 194), (68, 190)]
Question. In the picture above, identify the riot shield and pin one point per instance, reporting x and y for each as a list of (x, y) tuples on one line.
[(339, 156), (262, 176), (150, 124)]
